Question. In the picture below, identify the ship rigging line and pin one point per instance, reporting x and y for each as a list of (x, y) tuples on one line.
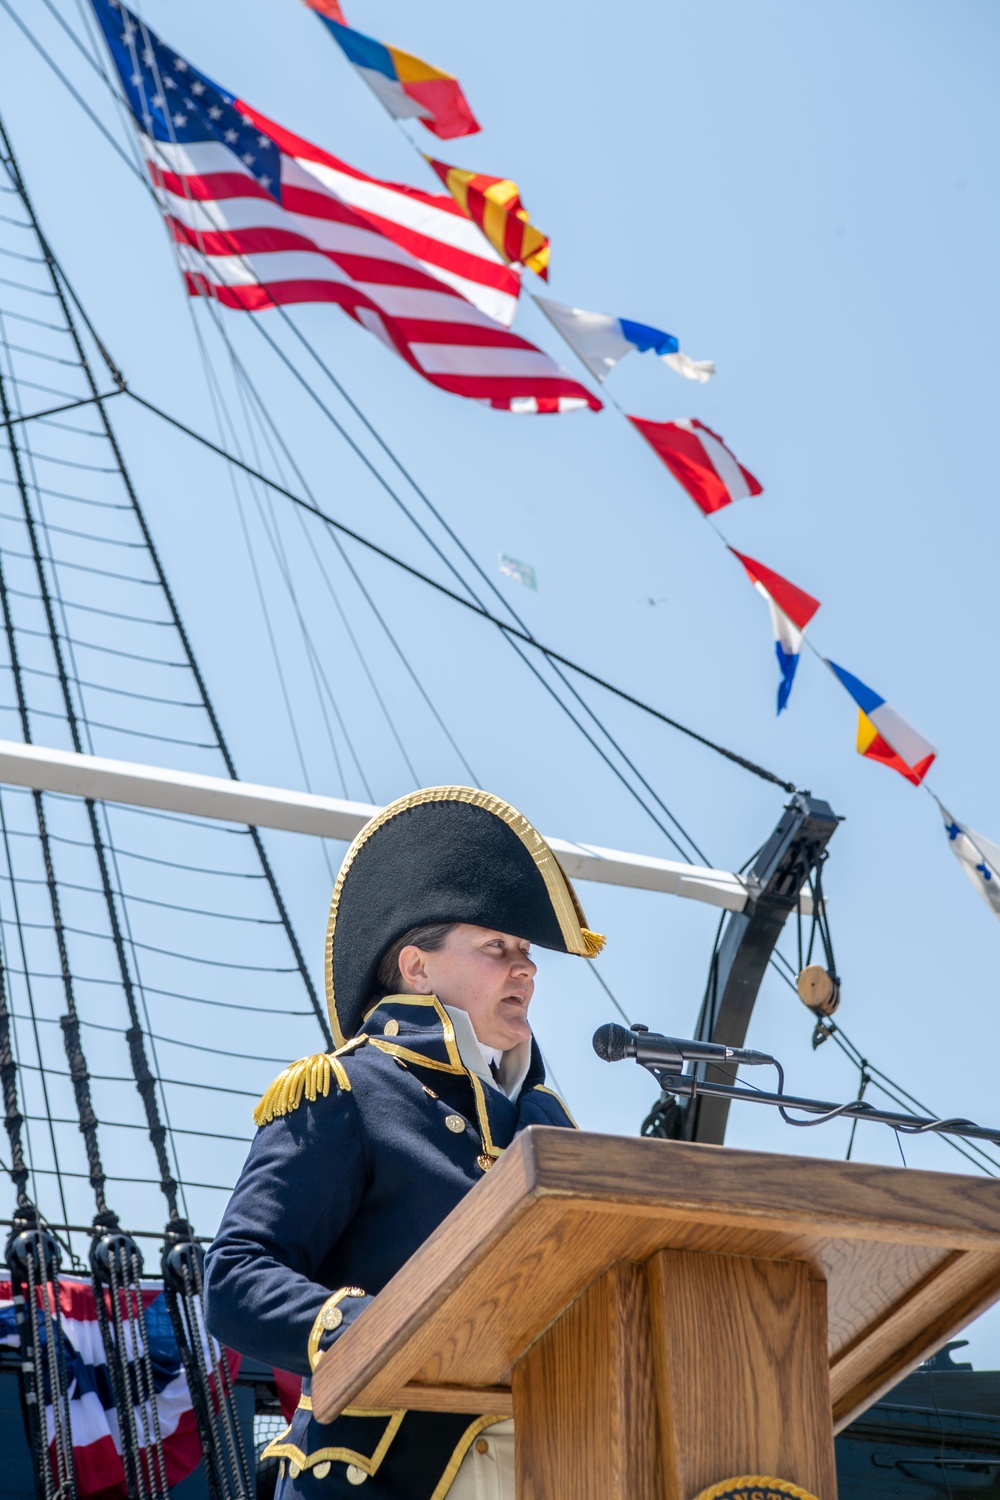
[(51, 411), (869, 1073), (479, 609), (59, 281), (251, 403), (101, 841), (18, 1171), (273, 535), (267, 422), (219, 407), (75, 1058), (522, 633)]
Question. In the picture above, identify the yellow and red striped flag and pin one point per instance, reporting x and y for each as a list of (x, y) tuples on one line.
[(494, 204)]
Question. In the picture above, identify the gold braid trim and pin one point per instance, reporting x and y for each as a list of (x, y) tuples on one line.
[(593, 941), (307, 1078), (327, 1319), (750, 1482), (278, 1448)]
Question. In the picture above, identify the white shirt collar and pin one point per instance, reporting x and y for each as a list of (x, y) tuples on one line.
[(513, 1064)]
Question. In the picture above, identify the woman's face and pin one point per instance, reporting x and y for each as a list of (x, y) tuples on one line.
[(488, 974)]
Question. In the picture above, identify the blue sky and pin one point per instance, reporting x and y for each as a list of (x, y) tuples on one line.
[(806, 195)]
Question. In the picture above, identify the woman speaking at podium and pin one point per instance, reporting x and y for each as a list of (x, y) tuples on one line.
[(362, 1152)]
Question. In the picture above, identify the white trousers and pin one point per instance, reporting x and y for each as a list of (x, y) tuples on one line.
[(487, 1471)]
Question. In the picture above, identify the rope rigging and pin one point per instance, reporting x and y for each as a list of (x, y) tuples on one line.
[(144, 1079), (512, 635), (218, 407), (115, 1262), (175, 618), (12, 1117), (143, 1074), (273, 436), (556, 656)]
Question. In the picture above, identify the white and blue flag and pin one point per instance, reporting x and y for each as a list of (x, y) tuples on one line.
[(979, 858), (600, 341)]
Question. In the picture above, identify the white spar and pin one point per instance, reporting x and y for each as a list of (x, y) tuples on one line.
[(185, 792)]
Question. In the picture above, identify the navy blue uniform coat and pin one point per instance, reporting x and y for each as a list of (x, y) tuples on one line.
[(335, 1196)]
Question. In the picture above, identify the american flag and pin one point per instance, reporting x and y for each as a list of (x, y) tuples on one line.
[(261, 217), (94, 1422)]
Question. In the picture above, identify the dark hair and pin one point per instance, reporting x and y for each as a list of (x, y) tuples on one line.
[(430, 938)]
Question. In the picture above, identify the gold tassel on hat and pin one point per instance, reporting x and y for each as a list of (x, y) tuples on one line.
[(307, 1078), (593, 941)]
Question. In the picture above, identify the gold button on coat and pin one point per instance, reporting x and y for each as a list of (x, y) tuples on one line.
[(482, 1446), (323, 1469), (294, 1469), (391, 1028), (332, 1318), (355, 1475), (484, 1161), (455, 1123)]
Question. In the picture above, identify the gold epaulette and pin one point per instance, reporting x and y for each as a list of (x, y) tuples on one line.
[(307, 1078)]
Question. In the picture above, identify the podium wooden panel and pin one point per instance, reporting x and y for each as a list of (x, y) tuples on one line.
[(659, 1316)]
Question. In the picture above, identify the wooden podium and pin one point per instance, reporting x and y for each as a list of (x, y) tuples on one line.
[(659, 1317)]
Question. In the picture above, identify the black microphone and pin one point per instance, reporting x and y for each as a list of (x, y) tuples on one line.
[(613, 1043)]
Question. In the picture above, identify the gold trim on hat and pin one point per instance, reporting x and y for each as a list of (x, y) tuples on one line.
[(572, 924)]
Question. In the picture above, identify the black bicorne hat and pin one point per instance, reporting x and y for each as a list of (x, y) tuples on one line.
[(444, 854)]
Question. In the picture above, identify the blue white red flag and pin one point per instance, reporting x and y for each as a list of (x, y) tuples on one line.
[(791, 609), (883, 734), (261, 217), (93, 1418), (600, 341), (408, 87), (978, 857)]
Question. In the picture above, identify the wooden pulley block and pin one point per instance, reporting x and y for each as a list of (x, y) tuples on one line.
[(818, 990)]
